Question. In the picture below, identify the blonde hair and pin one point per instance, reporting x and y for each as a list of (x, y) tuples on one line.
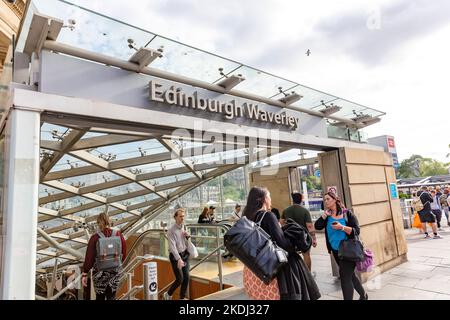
[(103, 220)]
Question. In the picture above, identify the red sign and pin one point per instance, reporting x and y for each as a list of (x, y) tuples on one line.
[(391, 142)]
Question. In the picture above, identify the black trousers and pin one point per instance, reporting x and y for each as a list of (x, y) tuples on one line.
[(107, 295), (438, 214), (349, 280), (181, 275)]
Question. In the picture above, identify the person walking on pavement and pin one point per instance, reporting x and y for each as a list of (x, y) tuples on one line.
[(179, 256), (302, 216), (436, 208), (426, 215)]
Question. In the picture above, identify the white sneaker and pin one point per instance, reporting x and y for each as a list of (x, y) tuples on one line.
[(166, 296), (438, 236), (427, 236)]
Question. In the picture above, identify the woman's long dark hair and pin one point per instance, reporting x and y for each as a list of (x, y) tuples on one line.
[(255, 201), (204, 212), (339, 205)]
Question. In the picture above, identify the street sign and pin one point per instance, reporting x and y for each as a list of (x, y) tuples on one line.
[(151, 281), (317, 173), (394, 191)]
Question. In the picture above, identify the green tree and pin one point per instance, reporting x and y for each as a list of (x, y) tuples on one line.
[(230, 192), (213, 183), (432, 168), (418, 166), (410, 168), (313, 183)]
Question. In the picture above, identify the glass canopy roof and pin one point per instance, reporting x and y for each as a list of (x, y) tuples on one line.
[(133, 178), (128, 175), (98, 33)]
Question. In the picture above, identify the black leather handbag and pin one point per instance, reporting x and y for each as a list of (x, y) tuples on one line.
[(351, 250), (253, 246)]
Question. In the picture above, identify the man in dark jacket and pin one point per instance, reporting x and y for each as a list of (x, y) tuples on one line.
[(426, 215)]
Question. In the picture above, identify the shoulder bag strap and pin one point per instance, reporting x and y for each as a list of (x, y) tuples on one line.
[(260, 220)]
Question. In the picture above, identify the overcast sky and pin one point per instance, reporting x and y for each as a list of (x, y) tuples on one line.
[(389, 55)]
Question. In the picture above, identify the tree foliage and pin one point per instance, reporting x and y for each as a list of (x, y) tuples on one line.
[(418, 166), (313, 183)]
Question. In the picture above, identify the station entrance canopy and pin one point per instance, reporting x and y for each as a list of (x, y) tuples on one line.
[(130, 120)]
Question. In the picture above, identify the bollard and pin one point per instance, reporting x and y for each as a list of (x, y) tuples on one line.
[(150, 281)]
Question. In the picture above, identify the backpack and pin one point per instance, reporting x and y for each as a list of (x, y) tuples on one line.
[(298, 235), (417, 204), (109, 251)]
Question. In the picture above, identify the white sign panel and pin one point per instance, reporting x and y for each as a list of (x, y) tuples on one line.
[(151, 280)]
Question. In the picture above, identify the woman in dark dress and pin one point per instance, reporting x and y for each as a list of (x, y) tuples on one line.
[(295, 282)]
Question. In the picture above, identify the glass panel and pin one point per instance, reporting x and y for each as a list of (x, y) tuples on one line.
[(68, 162), (127, 188), (130, 150), (53, 132), (45, 191), (348, 107), (262, 83), (337, 132), (93, 134), (140, 199), (101, 34), (90, 212), (312, 99), (190, 62), (166, 165), (68, 203), (172, 179), (93, 31), (354, 135), (92, 179), (363, 136)]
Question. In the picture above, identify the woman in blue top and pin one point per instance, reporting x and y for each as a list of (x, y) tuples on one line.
[(340, 224)]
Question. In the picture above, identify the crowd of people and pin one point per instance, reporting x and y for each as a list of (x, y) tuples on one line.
[(294, 281), (432, 203)]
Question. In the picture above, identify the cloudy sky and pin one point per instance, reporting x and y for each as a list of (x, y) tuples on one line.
[(389, 55)]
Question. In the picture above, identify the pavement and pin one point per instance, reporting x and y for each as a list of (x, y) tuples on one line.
[(425, 276)]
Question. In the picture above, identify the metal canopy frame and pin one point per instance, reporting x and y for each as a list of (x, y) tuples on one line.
[(141, 191), (77, 143)]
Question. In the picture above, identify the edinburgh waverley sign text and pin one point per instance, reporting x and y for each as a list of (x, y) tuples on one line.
[(175, 96)]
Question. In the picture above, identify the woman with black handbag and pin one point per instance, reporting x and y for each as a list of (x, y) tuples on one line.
[(341, 224), (294, 280)]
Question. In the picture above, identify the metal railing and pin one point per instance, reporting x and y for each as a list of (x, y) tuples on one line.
[(219, 229), (407, 212), (217, 250), (132, 262)]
